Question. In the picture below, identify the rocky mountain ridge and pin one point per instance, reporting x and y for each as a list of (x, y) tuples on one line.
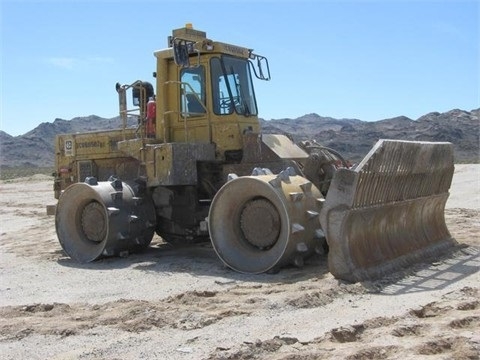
[(353, 138)]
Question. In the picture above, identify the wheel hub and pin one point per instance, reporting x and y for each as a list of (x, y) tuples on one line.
[(260, 223), (94, 224)]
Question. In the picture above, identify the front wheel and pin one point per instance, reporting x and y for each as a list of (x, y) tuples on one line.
[(260, 223)]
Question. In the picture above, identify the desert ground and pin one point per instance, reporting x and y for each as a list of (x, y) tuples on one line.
[(183, 303)]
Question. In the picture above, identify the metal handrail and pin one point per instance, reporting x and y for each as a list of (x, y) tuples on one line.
[(124, 111)]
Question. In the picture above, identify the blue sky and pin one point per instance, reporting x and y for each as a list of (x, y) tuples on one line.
[(345, 59)]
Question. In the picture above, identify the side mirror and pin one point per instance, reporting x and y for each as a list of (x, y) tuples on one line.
[(180, 53), (261, 68)]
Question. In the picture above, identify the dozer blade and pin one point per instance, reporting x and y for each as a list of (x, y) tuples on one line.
[(388, 212)]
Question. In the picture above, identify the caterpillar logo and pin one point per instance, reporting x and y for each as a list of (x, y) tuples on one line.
[(69, 148)]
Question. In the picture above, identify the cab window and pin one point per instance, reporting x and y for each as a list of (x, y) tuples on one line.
[(192, 94), (232, 89)]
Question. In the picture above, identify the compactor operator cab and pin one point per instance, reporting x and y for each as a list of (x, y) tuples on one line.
[(204, 92)]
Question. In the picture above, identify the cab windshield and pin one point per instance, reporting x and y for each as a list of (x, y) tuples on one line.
[(232, 87)]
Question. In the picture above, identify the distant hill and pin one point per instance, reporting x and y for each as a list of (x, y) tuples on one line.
[(353, 138)]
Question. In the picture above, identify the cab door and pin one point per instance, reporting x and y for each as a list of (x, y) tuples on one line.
[(190, 123)]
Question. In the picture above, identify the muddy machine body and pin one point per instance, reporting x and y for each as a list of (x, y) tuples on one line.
[(195, 166)]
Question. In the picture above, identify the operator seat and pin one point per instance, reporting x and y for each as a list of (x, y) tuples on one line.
[(194, 105)]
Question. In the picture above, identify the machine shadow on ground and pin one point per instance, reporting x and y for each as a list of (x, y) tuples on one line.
[(454, 265), (198, 259)]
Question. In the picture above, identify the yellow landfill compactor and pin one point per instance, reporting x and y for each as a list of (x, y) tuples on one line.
[(194, 165)]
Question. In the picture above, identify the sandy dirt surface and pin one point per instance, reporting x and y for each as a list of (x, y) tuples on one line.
[(183, 303)]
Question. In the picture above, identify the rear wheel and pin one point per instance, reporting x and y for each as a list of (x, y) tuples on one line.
[(103, 219)]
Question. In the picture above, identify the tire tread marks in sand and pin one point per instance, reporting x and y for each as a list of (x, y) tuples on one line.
[(441, 328)]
